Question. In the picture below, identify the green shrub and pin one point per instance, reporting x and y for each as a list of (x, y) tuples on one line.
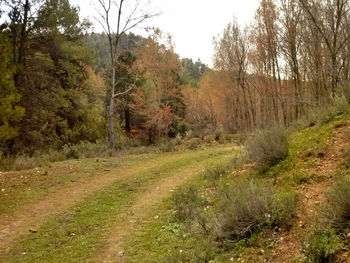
[(190, 207), (283, 208), (322, 245), (188, 203), (247, 207), (216, 171), (337, 211), (268, 147), (178, 139)]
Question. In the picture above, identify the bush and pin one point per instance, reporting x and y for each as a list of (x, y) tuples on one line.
[(283, 208), (188, 203), (322, 245), (337, 212), (189, 207), (193, 143), (218, 133), (247, 207), (268, 147), (216, 171), (169, 146)]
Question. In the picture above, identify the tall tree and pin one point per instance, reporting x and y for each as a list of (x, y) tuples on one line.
[(331, 18), (10, 111), (128, 16)]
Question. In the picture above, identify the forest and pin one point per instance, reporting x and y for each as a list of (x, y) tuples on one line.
[(56, 75), (115, 148)]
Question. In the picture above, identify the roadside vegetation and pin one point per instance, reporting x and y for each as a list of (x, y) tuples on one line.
[(240, 210)]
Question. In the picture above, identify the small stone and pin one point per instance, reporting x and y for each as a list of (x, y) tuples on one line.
[(156, 217), (261, 251), (181, 251), (23, 253), (2, 189), (33, 230)]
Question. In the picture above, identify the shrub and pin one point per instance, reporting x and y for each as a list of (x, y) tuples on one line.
[(193, 143), (209, 138), (283, 208), (188, 203), (178, 127), (216, 171), (268, 147), (337, 211), (247, 207), (322, 245), (219, 133), (178, 139), (169, 146), (189, 207)]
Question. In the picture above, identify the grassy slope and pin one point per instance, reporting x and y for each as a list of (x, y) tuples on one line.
[(168, 240), (79, 232)]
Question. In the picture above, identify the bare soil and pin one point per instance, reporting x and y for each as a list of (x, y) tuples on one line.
[(313, 195)]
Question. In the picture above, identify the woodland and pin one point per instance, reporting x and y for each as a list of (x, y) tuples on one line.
[(57, 75), (113, 148)]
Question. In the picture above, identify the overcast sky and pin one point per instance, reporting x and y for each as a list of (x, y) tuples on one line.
[(192, 23)]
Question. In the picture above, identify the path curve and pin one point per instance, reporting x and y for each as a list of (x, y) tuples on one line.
[(139, 211)]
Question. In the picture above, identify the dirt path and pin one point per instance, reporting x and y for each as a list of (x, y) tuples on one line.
[(313, 194), (33, 214), (139, 211)]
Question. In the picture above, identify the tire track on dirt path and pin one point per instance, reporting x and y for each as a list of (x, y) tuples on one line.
[(33, 214), (126, 222)]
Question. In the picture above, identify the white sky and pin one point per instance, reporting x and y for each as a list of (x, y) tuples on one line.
[(192, 23)]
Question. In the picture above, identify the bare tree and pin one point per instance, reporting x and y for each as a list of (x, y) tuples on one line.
[(331, 20), (129, 15)]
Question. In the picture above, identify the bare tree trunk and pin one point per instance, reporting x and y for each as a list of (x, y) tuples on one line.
[(111, 111)]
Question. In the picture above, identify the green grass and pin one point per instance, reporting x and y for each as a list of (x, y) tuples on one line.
[(170, 240), (78, 233), (304, 147), (21, 187)]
